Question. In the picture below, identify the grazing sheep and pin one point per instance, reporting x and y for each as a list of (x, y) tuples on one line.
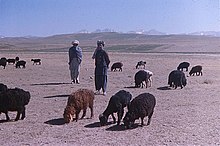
[(117, 65), (17, 59), (140, 63), (183, 65), (196, 70), (36, 61), (11, 61), (177, 78), (20, 63), (3, 62), (3, 87), (14, 100), (77, 101), (140, 107), (143, 76), (116, 105)]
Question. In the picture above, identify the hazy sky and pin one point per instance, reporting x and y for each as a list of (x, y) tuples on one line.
[(50, 17)]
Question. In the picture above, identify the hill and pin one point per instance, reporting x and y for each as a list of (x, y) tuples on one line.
[(115, 42)]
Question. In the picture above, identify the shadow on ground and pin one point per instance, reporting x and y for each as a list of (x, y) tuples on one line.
[(121, 127), (59, 121), (53, 96), (40, 84), (164, 88)]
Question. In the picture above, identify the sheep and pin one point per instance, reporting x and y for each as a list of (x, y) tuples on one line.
[(140, 107), (77, 101), (3, 87), (14, 100), (141, 63), (20, 63), (143, 76), (36, 61), (177, 78), (3, 62), (117, 65), (11, 61), (116, 104), (17, 59), (196, 70), (183, 65)]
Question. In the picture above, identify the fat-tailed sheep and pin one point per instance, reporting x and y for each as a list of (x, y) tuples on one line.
[(117, 65), (77, 101), (183, 65), (143, 76), (14, 100), (20, 63), (140, 63), (196, 70), (177, 78), (140, 107), (116, 104), (36, 61)]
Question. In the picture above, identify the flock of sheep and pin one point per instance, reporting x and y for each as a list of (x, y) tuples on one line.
[(17, 62), (140, 107)]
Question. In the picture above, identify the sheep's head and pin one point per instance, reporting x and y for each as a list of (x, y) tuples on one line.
[(128, 120), (68, 114), (103, 119)]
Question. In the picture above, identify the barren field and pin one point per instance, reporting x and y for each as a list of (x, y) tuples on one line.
[(188, 116)]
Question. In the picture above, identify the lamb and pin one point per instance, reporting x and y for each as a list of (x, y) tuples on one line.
[(143, 76), (3, 87), (196, 70), (36, 61), (14, 100), (20, 63), (117, 65), (3, 62), (77, 101), (116, 104), (140, 107), (11, 61), (177, 78), (141, 63), (183, 65)]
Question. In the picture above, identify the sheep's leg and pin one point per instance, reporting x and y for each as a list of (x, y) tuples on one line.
[(91, 109), (149, 118), (120, 114), (7, 117), (142, 121), (77, 115), (18, 115), (114, 120), (201, 73), (84, 113), (23, 114)]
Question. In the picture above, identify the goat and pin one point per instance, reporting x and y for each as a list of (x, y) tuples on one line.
[(36, 61), (183, 65), (196, 70), (20, 63)]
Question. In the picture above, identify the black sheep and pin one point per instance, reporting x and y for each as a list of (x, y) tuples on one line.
[(3, 62), (36, 61), (196, 70), (11, 61), (20, 63), (141, 63), (177, 78), (117, 65), (140, 107), (183, 65), (143, 76), (14, 100), (116, 105)]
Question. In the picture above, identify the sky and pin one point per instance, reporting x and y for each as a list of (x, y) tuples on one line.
[(51, 17)]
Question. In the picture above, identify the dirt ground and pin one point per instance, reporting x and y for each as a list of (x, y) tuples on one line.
[(188, 116)]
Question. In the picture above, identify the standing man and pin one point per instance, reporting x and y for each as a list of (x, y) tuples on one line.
[(101, 67), (75, 59)]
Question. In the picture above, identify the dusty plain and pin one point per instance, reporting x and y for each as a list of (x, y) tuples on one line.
[(188, 116)]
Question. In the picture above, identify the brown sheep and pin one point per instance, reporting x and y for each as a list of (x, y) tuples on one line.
[(77, 101)]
